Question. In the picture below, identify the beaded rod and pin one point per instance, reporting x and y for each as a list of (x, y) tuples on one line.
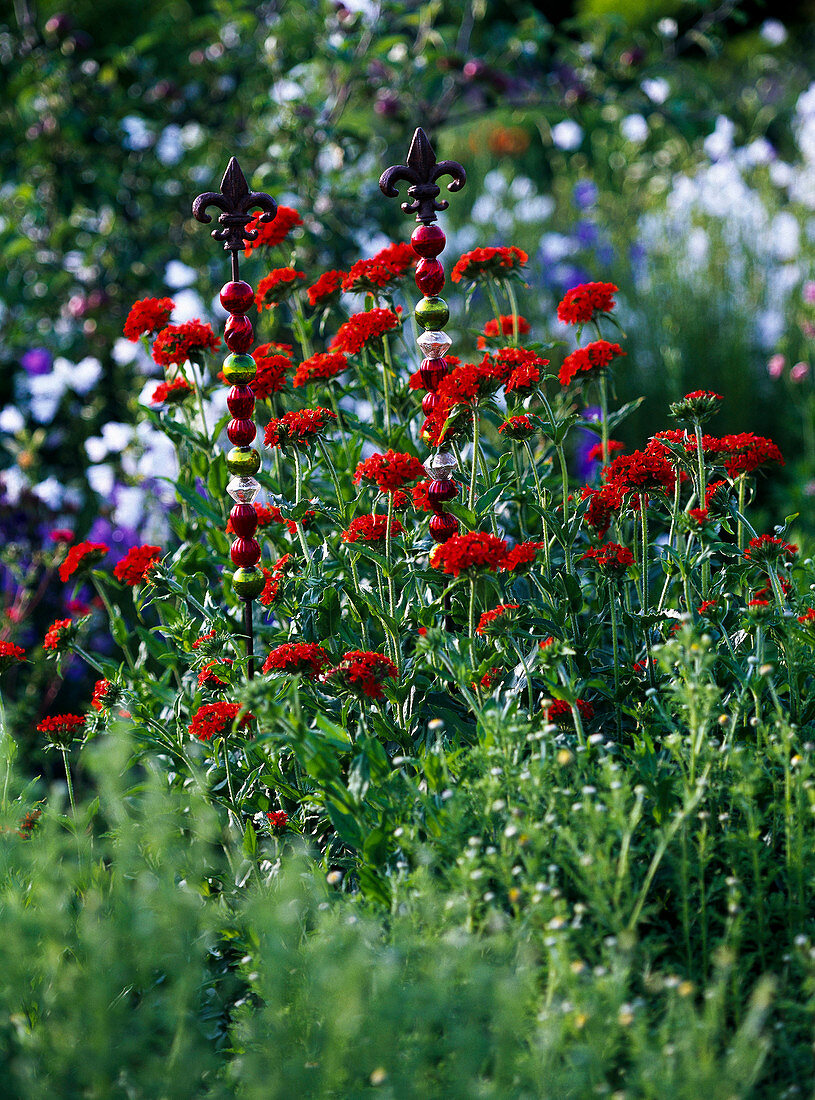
[(421, 172), (235, 201)]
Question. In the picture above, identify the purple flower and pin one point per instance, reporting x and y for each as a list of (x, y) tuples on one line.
[(584, 194), (37, 361), (586, 232), (585, 468)]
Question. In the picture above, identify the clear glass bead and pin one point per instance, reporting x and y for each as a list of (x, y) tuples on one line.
[(434, 344), (243, 490), (440, 466)]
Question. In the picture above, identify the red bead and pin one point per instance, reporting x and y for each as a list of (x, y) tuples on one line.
[(429, 277), (432, 371), (241, 432), (237, 297), (443, 527), (244, 520), (439, 492), (238, 334), (427, 240), (241, 402), (430, 401), (245, 552)]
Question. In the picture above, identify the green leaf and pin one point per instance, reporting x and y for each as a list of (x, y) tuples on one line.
[(250, 841)]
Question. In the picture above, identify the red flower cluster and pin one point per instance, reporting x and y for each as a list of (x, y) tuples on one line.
[(323, 365), (275, 575), (387, 266), (215, 718), (361, 328), (81, 557), (471, 551), (298, 658), (525, 374), (592, 357), (610, 558), (582, 303), (297, 428), (328, 286), (147, 316), (444, 426), (58, 633), (518, 428), (171, 393), (178, 343), (641, 472), (208, 678), (61, 728), (364, 672), (372, 529), (203, 639), (561, 713), (767, 549), (136, 564), (104, 694), (749, 452), (11, 654), (278, 820), (507, 328), (61, 534), (603, 504), (488, 263), (276, 286), (699, 517), (808, 618), (488, 617), (272, 233), (596, 453), (521, 556), (390, 471), (467, 384), (272, 365)]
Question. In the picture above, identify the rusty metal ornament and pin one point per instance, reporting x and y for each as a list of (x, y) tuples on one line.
[(421, 172), (236, 202)]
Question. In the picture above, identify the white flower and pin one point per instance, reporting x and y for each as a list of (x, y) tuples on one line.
[(95, 448), (11, 420), (188, 307), (124, 351), (177, 275), (780, 173), (656, 89), (13, 481), (50, 492), (130, 507), (718, 144), (785, 234), (668, 28), (169, 147), (101, 479), (634, 128), (567, 134), (555, 247), (774, 32), (138, 135), (45, 393), (84, 376), (116, 436)]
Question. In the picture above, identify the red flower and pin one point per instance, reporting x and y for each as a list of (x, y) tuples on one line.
[(700, 517), (808, 618), (178, 343), (11, 654), (641, 471), (614, 447), (81, 557), (104, 694), (207, 676), (708, 608), (518, 428), (507, 328), (28, 823), (748, 452), (328, 286), (592, 357), (488, 263), (521, 556), (468, 383), (171, 393), (767, 549), (62, 534), (147, 316), (304, 658), (61, 729), (278, 820), (273, 232), (271, 370), (603, 504), (473, 550), (610, 558), (270, 589), (445, 426), (58, 633), (372, 529), (215, 718), (560, 711), (361, 328), (136, 564), (488, 617), (276, 286), (390, 471), (323, 365), (581, 303), (297, 428), (525, 374), (203, 639), (387, 266), (364, 673)]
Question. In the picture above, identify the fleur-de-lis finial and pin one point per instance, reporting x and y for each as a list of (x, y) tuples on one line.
[(421, 172), (236, 201)]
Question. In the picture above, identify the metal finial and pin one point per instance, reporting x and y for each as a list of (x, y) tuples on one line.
[(421, 172), (236, 201)]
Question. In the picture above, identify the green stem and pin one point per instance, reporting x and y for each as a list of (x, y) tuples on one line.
[(700, 463), (471, 618), (391, 600), (103, 597), (333, 473), (494, 304), (542, 501), (740, 528), (299, 326), (355, 577), (298, 492), (474, 465), (787, 647), (529, 691), (198, 375), (604, 415), (513, 307), (387, 370), (644, 519), (69, 781)]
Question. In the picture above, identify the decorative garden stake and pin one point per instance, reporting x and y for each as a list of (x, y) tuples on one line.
[(243, 461), (421, 172)]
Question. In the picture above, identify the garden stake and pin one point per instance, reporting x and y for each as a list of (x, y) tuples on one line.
[(421, 171), (235, 200)]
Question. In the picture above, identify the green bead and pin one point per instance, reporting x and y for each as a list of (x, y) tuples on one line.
[(432, 313), (239, 369), (243, 461), (248, 582)]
